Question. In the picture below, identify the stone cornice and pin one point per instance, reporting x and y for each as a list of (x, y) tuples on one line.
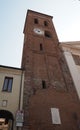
[(73, 47)]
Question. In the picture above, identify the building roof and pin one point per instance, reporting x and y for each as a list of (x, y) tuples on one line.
[(9, 67)]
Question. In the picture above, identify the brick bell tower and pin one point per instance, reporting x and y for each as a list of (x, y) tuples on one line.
[(50, 100)]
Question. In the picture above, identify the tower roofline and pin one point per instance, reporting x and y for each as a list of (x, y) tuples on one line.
[(39, 13), (28, 11)]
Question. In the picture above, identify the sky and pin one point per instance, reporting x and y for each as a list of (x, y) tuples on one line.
[(66, 19)]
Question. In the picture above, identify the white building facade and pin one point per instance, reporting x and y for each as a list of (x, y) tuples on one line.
[(11, 94), (71, 52)]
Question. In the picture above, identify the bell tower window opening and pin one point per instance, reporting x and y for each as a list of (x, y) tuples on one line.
[(41, 47), (47, 34), (36, 21), (45, 23)]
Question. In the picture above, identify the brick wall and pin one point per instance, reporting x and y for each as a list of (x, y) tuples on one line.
[(50, 66)]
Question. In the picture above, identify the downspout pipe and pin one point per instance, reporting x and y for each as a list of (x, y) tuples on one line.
[(21, 91)]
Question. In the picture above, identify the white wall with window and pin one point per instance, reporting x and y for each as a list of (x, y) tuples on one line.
[(11, 89), (71, 52)]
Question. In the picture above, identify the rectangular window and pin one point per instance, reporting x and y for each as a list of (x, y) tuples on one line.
[(36, 21), (76, 59), (55, 116), (47, 34), (43, 84), (41, 47), (7, 86), (45, 23)]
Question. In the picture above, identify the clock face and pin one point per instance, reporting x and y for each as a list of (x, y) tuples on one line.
[(38, 31)]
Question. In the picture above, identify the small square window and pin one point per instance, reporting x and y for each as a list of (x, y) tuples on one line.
[(4, 103), (7, 86)]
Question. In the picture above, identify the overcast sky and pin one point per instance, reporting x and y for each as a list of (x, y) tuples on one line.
[(66, 18)]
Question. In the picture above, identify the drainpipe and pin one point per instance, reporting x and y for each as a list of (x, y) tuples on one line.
[(20, 105), (21, 92)]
